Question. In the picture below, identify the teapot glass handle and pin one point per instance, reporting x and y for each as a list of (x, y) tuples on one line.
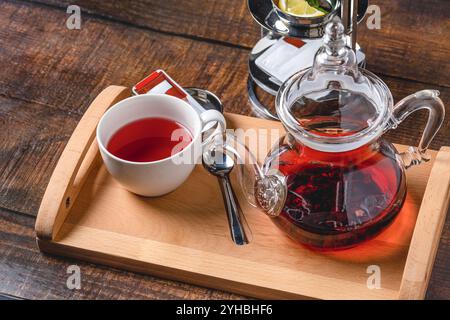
[(425, 99)]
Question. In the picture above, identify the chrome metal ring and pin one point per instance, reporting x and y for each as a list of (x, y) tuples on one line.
[(257, 106)]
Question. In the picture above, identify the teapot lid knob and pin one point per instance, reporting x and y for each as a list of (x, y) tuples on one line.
[(334, 39), (335, 56)]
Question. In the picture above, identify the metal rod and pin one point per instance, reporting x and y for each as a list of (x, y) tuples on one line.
[(349, 16), (354, 27), (345, 14)]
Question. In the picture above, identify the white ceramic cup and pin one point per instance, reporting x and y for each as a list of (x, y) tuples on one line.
[(157, 177)]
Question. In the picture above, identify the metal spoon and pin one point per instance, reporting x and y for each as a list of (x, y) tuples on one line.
[(220, 165)]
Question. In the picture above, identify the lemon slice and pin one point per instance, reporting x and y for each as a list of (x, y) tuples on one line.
[(299, 8)]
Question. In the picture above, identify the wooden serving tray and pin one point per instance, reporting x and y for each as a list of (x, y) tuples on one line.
[(184, 235)]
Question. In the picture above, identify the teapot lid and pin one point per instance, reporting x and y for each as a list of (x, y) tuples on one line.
[(334, 106)]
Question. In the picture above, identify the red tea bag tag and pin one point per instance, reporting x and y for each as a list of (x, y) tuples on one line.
[(160, 82), (296, 42)]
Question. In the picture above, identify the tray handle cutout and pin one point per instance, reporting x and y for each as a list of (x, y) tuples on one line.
[(79, 156)]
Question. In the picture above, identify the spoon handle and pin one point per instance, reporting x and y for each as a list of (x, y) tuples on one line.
[(238, 225)]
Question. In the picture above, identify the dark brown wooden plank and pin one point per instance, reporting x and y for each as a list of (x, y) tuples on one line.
[(31, 140), (27, 273), (223, 21), (439, 287), (413, 42), (46, 85), (46, 63), (45, 89), (48, 69)]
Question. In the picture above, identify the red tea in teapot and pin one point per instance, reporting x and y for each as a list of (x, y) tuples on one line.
[(334, 181), (340, 199)]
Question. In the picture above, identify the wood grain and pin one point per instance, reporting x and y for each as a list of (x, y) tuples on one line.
[(32, 138), (50, 75), (27, 273), (439, 287), (56, 83), (71, 67), (396, 49), (227, 22), (413, 42), (52, 85), (427, 232), (68, 178), (184, 236)]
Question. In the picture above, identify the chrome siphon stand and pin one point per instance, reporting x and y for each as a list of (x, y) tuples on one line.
[(276, 24)]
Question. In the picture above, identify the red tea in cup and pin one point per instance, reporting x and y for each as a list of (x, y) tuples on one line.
[(161, 135), (149, 139)]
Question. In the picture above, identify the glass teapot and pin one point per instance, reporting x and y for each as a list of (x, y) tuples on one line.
[(333, 181)]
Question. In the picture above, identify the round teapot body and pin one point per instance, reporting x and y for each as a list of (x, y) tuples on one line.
[(338, 200), (333, 181)]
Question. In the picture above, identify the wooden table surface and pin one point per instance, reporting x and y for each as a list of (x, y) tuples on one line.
[(49, 74)]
